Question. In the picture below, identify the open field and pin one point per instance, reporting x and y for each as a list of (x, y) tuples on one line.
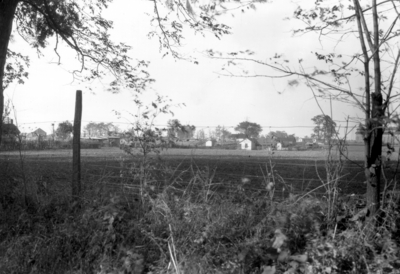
[(354, 152), (298, 171)]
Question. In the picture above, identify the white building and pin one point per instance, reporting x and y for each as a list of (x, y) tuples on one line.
[(247, 144), (210, 143)]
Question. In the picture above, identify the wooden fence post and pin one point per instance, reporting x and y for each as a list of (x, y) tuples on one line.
[(76, 146)]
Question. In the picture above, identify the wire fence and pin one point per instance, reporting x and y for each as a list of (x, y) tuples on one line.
[(50, 140), (293, 172), (339, 123)]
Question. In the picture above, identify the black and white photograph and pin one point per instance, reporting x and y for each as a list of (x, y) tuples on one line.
[(200, 136)]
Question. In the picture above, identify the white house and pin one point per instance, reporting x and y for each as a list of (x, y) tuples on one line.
[(210, 143), (279, 146), (247, 144)]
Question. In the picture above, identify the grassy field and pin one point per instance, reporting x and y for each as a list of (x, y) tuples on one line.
[(354, 152), (299, 171)]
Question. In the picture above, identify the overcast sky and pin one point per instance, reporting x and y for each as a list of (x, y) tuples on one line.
[(211, 99)]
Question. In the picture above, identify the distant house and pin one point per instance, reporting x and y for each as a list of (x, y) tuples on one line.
[(265, 143), (248, 144), (288, 141), (37, 134), (40, 132), (299, 140), (211, 143)]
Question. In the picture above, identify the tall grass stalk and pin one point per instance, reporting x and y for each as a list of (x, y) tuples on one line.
[(21, 161), (269, 179)]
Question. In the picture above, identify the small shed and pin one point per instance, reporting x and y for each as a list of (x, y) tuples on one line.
[(279, 146), (248, 144), (211, 143)]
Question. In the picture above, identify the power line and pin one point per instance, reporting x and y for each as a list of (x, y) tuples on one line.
[(166, 125)]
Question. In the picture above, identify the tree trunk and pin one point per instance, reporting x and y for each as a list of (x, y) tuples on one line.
[(375, 159), (373, 108), (7, 11)]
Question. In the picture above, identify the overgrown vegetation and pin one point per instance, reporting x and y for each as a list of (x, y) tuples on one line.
[(190, 225)]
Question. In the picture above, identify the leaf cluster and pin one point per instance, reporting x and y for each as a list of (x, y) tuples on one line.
[(81, 26), (15, 69)]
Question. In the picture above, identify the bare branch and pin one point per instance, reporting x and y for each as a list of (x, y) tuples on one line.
[(395, 67)]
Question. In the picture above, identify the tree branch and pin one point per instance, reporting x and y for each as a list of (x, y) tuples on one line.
[(291, 73), (366, 61), (396, 65)]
